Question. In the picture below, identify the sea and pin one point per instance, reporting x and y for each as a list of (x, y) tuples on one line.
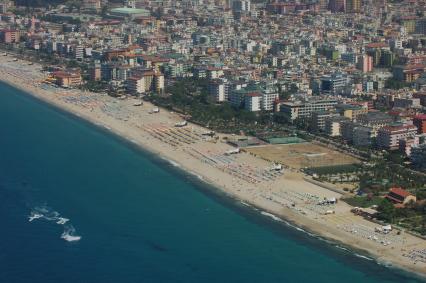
[(79, 204)]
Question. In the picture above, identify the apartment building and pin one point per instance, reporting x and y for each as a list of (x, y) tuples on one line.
[(9, 36), (318, 118), (253, 102), (420, 122), (362, 135), (67, 78), (217, 90), (294, 110), (332, 125), (389, 137)]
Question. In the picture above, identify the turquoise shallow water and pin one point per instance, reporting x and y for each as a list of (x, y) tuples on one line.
[(139, 219)]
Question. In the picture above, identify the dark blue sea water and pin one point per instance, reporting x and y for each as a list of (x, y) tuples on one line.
[(139, 219)]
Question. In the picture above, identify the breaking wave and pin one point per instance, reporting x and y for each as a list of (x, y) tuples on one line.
[(48, 214), (272, 216), (320, 238)]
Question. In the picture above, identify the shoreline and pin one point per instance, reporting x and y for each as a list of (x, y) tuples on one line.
[(285, 214)]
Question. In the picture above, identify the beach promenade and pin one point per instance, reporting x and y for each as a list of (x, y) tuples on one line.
[(251, 180)]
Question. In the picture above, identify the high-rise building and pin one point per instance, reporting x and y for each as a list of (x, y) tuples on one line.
[(420, 122), (365, 63), (217, 90), (353, 6), (334, 84), (337, 6), (94, 5), (323, 5), (241, 6), (95, 72)]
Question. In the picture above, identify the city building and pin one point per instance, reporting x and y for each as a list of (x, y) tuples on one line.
[(334, 84), (337, 6), (136, 85), (362, 136), (400, 196), (365, 63), (67, 78), (389, 137), (347, 130), (253, 102), (9, 36), (128, 13), (294, 110), (375, 120), (418, 157), (408, 73), (318, 120), (332, 126), (420, 122), (353, 6), (95, 72), (269, 97), (351, 111), (218, 90), (406, 102)]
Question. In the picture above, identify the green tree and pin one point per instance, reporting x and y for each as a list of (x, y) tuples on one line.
[(386, 211)]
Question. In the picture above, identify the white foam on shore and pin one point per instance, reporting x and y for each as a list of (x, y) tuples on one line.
[(342, 248), (271, 216), (201, 178), (174, 163), (318, 237), (364, 257), (244, 203), (300, 229)]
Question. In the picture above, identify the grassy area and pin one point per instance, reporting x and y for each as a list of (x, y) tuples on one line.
[(364, 201), (339, 169)]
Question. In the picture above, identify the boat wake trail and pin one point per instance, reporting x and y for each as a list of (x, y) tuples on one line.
[(69, 234), (46, 213)]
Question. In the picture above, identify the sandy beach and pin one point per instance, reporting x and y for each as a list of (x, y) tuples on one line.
[(243, 176)]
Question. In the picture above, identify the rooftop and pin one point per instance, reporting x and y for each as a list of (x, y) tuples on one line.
[(129, 11)]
